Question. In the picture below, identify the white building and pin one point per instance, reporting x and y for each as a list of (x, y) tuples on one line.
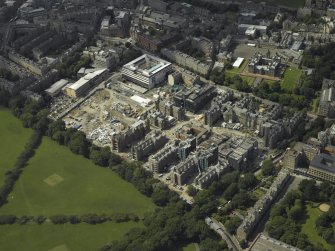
[(147, 71), (85, 83)]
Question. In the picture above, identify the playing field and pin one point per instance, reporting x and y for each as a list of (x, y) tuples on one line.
[(189, 247), (57, 181), (13, 137), (67, 237), (291, 78), (308, 227)]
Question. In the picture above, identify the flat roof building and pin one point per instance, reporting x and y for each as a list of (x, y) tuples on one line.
[(323, 167), (238, 62), (56, 87), (147, 71), (265, 243), (85, 83)]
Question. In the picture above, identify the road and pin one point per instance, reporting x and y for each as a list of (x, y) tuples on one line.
[(219, 228)]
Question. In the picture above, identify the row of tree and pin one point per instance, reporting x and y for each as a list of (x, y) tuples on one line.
[(11, 219), (13, 175), (93, 218)]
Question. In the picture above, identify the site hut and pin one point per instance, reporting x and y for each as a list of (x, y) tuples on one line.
[(238, 62), (147, 71)]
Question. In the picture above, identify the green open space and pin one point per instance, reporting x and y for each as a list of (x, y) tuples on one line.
[(56, 181), (13, 137), (291, 78), (189, 247), (67, 237), (249, 80), (309, 229)]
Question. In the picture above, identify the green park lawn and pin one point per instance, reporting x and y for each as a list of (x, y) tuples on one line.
[(67, 237), (56, 181), (309, 229), (189, 247), (13, 137), (291, 78), (249, 80)]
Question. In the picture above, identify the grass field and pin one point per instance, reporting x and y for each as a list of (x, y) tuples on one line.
[(291, 78), (57, 181), (249, 80), (189, 247), (66, 237), (308, 227), (13, 137)]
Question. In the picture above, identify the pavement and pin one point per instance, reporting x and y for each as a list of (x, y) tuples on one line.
[(219, 228)]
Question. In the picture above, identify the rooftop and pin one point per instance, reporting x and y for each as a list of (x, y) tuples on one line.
[(324, 162), (147, 65)]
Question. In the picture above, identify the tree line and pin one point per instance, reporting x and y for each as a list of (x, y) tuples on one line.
[(13, 175), (72, 219)]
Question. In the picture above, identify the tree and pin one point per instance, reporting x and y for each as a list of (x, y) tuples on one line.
[(211, 245), (309, 189), (268, 168), (231, 191), (247, 181), (160, 196), (191, 190), (100, 156), (7, 219), (232, 224)]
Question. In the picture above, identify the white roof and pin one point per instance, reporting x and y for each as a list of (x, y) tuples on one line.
[(86, 79), (161, 64), (138, 99), (57, 86), (238, 62)]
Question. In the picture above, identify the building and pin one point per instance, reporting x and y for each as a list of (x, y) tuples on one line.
[(152, 142), (195, 98), (256, 213), (327, 100), (186, 147), (166, 156), (123, 140), (266, 66), (310, 152), (200, 161), (57, 87), (181, 173), (266, 243), (250, 29), (291, 159), (84, 84), (147, 71), (323, 167)]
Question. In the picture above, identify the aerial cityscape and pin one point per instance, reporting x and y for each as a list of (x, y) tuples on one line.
[(167, 125)]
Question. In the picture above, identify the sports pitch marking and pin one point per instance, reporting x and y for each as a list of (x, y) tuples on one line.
[(54, 180)]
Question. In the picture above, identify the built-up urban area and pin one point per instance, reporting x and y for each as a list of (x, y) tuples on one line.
[(230, 96)]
